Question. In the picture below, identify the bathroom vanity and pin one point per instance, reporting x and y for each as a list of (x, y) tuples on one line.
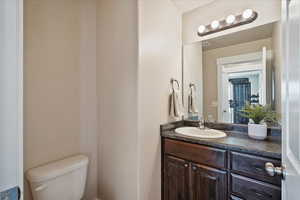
[(218, 169), (221, 75)]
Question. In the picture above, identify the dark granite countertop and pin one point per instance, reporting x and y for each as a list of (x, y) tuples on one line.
[(235, 140)]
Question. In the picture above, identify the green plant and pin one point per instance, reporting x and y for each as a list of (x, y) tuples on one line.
[(259, 113)]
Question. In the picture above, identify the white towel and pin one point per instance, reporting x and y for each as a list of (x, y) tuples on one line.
[(175, 101), (192, 107)]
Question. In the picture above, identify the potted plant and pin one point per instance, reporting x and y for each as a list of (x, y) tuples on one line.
[(258, 116)]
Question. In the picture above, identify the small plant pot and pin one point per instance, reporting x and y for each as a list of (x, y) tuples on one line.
[(257, 131)]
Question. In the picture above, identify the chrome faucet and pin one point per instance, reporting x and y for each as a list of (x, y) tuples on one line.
[(201, 123)]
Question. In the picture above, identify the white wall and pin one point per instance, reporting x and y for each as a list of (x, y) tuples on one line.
[(117, 56), (159, 61), (11, 99), (268, 11)]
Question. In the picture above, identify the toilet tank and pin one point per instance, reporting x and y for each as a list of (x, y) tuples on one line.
[(61, 180)]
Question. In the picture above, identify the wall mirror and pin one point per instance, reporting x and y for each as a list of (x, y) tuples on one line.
[(226, 72)]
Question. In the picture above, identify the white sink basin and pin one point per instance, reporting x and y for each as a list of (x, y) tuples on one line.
[(200, 133)]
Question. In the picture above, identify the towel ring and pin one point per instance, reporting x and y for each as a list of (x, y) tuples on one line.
[(192, 85), (172, 83)]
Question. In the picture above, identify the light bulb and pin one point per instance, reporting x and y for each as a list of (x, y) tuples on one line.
[(247, 13), (230, 19), (201, 29), (215, 24)]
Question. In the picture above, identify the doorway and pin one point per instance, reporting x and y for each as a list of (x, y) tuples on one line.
[(242, 79), (241, 92)]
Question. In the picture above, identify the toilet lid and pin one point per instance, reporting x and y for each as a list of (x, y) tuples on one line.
[(57, 168)]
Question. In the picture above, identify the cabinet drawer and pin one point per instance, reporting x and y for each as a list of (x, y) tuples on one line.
[(254, 167), (251, 189), (196, 153)]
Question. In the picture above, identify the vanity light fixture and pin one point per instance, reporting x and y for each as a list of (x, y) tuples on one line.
[(248, 13), (215, 24), (231, 21), (201, 29)]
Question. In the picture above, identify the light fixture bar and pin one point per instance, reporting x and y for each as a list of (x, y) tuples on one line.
[(224, 24)]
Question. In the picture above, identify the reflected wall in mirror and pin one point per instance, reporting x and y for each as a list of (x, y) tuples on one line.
[(232, 70)]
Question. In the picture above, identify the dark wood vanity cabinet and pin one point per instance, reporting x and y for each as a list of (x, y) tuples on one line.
[(176, 178), (185, 180), (208, 183), (198, 172), (187, 174)]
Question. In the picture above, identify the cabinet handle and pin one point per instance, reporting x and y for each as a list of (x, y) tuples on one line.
[(194, 168), (272, 170), (186, 165)]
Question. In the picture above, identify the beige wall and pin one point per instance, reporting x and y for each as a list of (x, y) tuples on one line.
[(91, 68), (135, 62), (268, 11), (159, 61), (117, 56), (88, 93), (210, 69), (277, 63), (55, 125)]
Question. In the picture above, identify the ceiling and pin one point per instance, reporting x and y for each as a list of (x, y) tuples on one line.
[(187, 5), (257, 33)]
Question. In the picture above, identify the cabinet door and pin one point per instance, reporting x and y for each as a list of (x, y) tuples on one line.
[(208, 183), (176, 179)]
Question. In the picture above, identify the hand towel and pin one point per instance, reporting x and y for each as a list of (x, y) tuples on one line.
[(175, 102), (192, 107)]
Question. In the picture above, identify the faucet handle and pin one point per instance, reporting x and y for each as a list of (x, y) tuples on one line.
[(201, 119), (201, 123)]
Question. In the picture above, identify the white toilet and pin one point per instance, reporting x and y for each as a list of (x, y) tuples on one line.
[(60, 180)]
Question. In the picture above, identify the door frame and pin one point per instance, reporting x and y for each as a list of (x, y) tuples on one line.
[(284, 104), (12, 90), (252, 62), (21, 94), (290, 162)]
